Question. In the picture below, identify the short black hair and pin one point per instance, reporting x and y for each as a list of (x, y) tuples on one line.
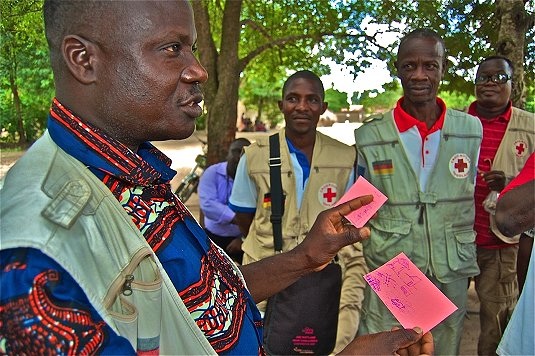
[(304, 74), (498, 57), (63, 17), (423, 33)]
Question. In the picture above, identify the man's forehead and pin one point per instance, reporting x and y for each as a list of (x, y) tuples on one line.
[(422, 45), (495, 64), (303, 86)]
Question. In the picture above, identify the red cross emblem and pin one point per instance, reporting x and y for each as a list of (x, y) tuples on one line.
[(327, 194), (460, 165), (520, 148)]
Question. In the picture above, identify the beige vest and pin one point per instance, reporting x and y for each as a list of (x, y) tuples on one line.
[(517, 145), (52, 202), (331, 166)]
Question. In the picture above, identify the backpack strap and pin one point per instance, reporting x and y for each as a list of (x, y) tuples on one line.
[(276, 190)]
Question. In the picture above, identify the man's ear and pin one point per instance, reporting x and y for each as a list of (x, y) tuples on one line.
[(280, 105), (324, 108), (79, 55)]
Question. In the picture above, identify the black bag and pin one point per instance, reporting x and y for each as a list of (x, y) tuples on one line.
[(303, 318)]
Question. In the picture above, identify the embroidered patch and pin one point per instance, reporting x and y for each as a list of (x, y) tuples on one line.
[(459, 165), (520, 148), (266, 203), (383, 167), (327, 194)]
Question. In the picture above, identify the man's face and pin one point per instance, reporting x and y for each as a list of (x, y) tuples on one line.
[(149, 77), (492, 94), (233, 158), (420, 67), (302, 106)]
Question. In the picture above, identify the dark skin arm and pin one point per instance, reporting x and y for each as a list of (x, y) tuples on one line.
[(515, 210), (234, 246), (522, 261), (244, 221), (328, 235)]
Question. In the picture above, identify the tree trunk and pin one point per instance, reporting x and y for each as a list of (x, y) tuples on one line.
[(23, 141), (514, 21), (221, 90)]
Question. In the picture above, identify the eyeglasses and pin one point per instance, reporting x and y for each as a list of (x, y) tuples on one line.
[(500, 78)]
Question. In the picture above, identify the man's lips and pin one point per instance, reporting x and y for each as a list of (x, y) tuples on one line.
[(191, 106), (488, 92), (419, 88), (301, 118)]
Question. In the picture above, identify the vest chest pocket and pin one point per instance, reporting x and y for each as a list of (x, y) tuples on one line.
[(388, 238)]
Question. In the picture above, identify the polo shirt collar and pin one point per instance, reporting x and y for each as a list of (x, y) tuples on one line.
[(405, 121), (506, 115)]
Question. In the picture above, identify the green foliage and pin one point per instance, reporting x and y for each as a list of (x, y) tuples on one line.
[(375, 102), (24, 71), (530, 99), (260, 89), (337, 100), (277, 37), (456, 100)]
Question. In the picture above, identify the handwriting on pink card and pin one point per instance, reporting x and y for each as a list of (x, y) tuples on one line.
[(409, 294), (362, 187)]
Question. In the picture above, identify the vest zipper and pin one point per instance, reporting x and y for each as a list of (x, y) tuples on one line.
[(447, 136), (517, 129), (393, 143), (421, 216), (123, 281), (127, 286)]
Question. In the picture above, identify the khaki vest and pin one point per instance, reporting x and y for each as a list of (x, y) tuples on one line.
[(434, 228), (51, 202), (515, 148), (331, 166)]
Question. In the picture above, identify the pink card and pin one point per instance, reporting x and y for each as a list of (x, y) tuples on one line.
[(362, 187), (409, 294)]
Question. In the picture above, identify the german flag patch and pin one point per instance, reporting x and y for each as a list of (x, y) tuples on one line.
[(383, 167), (266, 203)]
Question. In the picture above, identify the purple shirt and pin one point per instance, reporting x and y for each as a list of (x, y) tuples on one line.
[(214, 192)]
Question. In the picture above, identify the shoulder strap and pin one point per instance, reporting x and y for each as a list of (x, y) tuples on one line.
[(276, 190)]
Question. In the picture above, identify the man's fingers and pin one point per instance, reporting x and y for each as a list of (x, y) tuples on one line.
[(354, 204), (403, 338)]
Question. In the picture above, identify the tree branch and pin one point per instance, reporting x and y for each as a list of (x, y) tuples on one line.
[(285, 41)]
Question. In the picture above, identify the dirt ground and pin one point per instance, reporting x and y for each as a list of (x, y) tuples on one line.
[(183, 155)]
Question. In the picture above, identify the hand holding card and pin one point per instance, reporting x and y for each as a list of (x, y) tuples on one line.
[(409, 294), (362, 187)]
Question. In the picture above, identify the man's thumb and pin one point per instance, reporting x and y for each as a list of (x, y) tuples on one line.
[(402, 338)]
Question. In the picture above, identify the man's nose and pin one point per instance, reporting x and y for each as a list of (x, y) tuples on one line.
[(302, 105), (420, 73), (195, 72)]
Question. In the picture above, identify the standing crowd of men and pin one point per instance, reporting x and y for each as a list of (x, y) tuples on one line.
[(99, 256)]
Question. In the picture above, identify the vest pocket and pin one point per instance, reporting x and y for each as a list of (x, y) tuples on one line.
[(136, 310), (461, 248), (388, 238)]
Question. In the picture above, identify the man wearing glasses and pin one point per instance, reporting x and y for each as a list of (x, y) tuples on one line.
[(508, 141)]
